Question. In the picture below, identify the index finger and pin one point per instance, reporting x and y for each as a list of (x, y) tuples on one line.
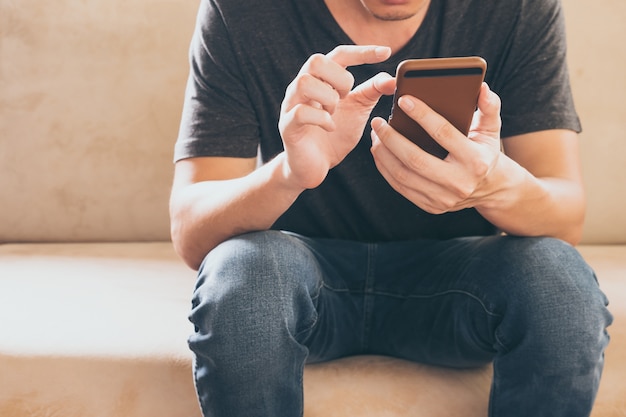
[(349, 55), (437, 126)]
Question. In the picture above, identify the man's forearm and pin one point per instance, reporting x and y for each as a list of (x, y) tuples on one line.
[(530, 206), (206, 213)]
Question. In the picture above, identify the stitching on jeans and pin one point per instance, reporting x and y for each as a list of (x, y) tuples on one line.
[(414, 296), (500, 342), (440, 294), (308, 327), (314, 297), (334, 289), (368, 296), (318, 289)]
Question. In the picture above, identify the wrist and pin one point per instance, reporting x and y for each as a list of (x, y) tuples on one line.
[(301, 175), (284, 177), (504, 186)]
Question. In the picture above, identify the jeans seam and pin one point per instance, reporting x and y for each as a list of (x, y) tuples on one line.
[(441, 294), (342, 290), (307, 329), (310, 327), (415, 296), (368, 295)]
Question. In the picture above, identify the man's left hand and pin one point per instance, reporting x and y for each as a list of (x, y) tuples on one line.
[(459, 181)]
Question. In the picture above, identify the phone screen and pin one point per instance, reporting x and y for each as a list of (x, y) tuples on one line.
[(450, 86)]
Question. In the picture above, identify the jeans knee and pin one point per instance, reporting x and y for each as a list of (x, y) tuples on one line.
[(548, 270), (253, 282), (253, 296), (555, 298), (265, 264)]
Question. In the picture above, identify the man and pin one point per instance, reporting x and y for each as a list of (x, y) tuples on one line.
[(349, 239)]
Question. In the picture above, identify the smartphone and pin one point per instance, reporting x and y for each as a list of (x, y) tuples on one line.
[(450, 86)]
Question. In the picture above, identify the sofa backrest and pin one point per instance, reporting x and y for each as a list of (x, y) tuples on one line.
[(90, 103), (597, 59), (90, 100)]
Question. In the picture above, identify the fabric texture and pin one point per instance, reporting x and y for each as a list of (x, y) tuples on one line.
[(268, 302)]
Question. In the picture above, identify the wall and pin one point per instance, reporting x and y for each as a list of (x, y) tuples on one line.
[(596, 34), (87, 86)]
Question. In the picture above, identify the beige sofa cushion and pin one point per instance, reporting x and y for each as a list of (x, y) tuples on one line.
[(99, 330)]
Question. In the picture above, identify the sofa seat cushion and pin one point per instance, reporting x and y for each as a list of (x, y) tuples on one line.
[(95, 330), (387, 387)]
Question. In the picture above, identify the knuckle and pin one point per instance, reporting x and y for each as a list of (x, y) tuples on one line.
[(303, 81), (400, 176), (437, 211), (416, 161), (446, 204), (315, 62), (481, 168), (367, 54), (291, 88), (420, 113), (445, 130), (433, 207), (299, 112), (462, 192)]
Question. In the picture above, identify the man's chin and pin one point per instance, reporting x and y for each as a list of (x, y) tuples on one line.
[(393, 17)]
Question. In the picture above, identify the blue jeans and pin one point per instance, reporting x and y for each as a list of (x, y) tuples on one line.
[(266, 303)]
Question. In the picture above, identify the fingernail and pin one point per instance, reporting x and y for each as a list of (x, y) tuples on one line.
[(376, 122), (406, 103)]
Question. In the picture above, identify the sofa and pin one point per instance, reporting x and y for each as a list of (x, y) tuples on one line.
[(93, 299)]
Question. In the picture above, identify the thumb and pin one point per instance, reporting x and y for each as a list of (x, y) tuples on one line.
[(487, 118), (369, 92)]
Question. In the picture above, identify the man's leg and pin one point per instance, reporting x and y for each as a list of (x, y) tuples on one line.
[(532, 305), (552, 336), (254, 300)]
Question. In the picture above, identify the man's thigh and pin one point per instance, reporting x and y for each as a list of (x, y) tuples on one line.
[(441, 302)]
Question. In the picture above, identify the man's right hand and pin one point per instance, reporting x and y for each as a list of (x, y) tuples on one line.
[(322, 118)]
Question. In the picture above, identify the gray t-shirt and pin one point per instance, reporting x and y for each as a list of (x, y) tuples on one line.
[(245, 53)]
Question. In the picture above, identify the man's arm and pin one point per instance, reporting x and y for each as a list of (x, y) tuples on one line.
[(216, 198), (322, 119), (534, 189), (549, 198)]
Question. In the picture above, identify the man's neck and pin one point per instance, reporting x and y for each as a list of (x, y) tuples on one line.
[(366, 29)]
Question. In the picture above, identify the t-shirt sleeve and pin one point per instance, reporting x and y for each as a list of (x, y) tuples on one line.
[(536, 93), (218, 118)]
